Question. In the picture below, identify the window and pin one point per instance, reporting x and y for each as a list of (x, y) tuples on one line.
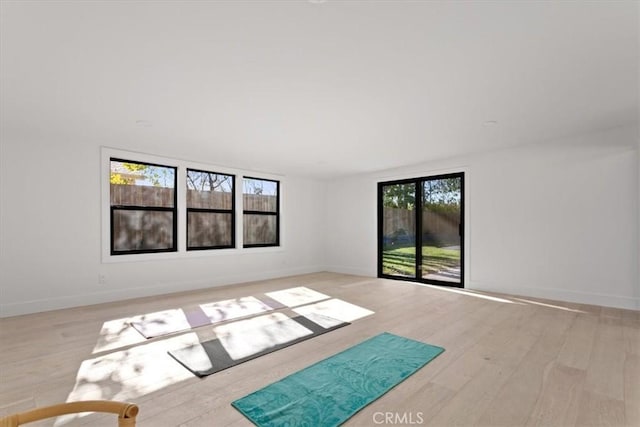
[(261, 201), (210, 210), (156, 207), (143, 207)]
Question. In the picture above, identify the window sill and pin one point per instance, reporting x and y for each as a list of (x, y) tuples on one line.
[(159, 256)]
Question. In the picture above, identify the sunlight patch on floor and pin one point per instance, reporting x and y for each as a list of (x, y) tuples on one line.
[(234, 309), (248, 337), (294, 297), (542, 304), (336, 309), (128, 374), (508, 300), (116, 334), (155, 324), (126, 366), (469, 293)]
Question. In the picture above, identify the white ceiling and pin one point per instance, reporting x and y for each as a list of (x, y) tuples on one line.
[(320, 89)]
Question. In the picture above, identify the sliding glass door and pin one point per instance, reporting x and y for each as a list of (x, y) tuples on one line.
[(420, 229)]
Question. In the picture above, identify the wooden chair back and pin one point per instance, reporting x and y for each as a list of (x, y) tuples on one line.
[(126, 412)]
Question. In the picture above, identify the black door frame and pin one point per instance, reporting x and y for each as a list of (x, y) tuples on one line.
[(418, 182)]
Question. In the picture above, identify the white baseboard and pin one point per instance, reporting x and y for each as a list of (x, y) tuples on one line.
[(616, 301), (68, 301), (349, 270)]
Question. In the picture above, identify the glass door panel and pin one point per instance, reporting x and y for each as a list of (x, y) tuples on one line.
[(398, 229), (421, 229), (441, 229)]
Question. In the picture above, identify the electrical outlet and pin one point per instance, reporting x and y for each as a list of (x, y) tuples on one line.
[(102, 279)]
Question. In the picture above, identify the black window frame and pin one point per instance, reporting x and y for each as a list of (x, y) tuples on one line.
[(266, 213), (232, 211), (174, 210)]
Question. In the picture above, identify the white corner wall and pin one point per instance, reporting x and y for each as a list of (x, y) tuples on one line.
[(557, 220), (50, 235)]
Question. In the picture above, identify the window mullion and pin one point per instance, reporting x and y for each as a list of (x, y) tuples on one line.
[(182, 209)]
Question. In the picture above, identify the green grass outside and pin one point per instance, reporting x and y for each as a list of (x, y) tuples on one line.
[(401, 261)]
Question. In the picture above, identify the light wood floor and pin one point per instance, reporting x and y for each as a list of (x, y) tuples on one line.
[(508, 361)]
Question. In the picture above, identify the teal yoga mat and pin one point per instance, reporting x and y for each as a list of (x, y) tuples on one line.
[(334, 389)]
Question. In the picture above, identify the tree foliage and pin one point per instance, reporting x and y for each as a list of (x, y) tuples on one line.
[(126, 173), (436, 194), (260, 187), (441, 192), (400, 196), (207, 181)]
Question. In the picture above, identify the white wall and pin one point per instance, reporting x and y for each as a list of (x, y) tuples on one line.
[(50, 236), (526, 234), (556, 220)]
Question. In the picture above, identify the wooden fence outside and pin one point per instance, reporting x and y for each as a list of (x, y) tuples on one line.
[(152, 230), (138, 195), (209, 199), (258, 202), (441, 227)]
